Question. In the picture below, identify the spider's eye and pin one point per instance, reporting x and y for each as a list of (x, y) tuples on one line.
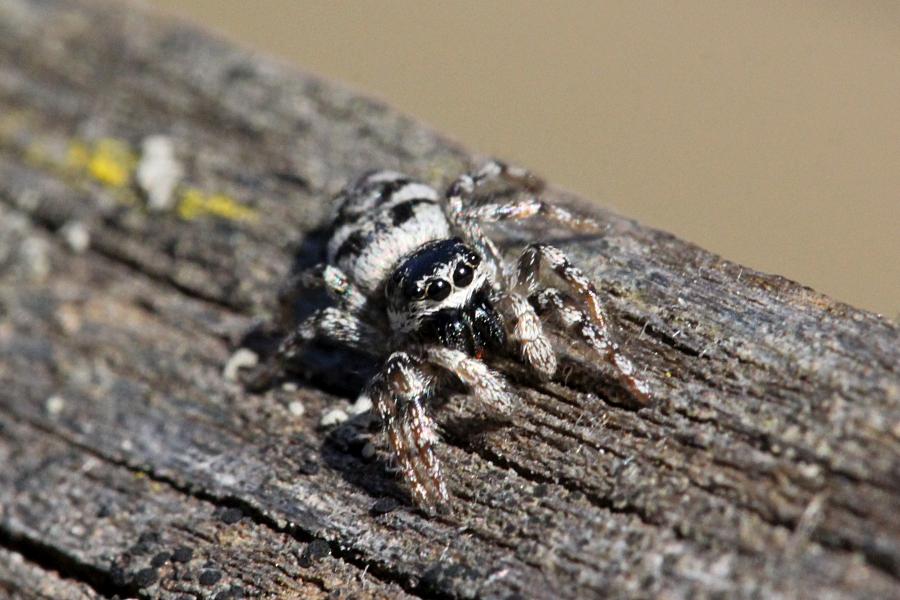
[(414, 292), (463, 274), (410, 289), (438, 289)]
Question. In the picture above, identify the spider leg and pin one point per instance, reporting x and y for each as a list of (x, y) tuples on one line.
[(519, 210), (527, 333), (459, 195), (328, 324), (580, 323), (528, 271), (461, 192), (336, 326), (399, 392), (486, 383), (336, 283), (465, 185), (588, 323), (466, 217)]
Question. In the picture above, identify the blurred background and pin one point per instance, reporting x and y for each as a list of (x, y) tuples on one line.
[(768, 132)]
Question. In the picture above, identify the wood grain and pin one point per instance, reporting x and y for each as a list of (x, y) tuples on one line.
[(767, 465)]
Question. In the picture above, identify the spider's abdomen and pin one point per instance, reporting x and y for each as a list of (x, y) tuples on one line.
[(379, 219)]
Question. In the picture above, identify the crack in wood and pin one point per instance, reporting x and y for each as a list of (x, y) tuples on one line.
[(51, 558)]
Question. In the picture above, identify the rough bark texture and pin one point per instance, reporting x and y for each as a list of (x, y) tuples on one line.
[(767, 465)]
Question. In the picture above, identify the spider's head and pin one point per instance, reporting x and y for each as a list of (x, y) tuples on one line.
[(441, 293)]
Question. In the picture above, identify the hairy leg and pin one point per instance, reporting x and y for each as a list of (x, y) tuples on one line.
[(459, 195), (399, 393), (485, 383), (337, 327), (518, 210), (588, 320), (336, 283), (466, 217), (528, 271), (580, 323), (465, 185), (328, 324), (461, 192), (527, 333)]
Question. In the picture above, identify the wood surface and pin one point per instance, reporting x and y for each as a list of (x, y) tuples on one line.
[(767, 464)]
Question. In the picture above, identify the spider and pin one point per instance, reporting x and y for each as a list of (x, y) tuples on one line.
[(417, 284)]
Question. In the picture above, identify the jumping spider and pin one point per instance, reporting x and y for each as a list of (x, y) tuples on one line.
[(417, 284)]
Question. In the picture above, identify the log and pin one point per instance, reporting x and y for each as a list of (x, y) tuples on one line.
[(766, 465)]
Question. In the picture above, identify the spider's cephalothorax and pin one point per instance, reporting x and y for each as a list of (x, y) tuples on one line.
[(419, 286), (442, 293)]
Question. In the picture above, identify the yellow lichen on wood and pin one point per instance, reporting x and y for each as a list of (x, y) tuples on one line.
[(112, 162), (108, 161), (195, 204)]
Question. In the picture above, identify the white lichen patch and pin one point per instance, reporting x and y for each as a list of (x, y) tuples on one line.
[(55, 405), (226, 479), (242, 358), (159, 172), (335, 416), (76, 235), (363, 404)]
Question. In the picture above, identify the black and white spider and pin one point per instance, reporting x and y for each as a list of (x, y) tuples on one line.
[(418, 285)]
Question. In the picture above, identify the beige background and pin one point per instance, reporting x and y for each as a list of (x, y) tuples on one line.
[(766, 131)]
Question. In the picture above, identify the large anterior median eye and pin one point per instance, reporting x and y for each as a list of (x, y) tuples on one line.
[(463, 274), (438, 289)]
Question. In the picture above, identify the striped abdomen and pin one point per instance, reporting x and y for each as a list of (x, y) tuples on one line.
[(379, 219)]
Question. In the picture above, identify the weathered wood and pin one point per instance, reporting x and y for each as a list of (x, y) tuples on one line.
[(22, 579), (768, 463)]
